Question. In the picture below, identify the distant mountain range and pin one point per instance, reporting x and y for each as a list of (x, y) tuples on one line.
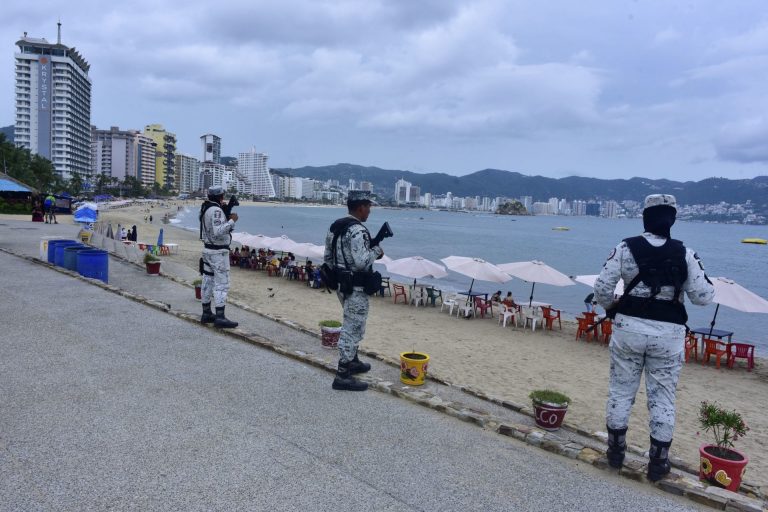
[(495, 182), (8, 132)]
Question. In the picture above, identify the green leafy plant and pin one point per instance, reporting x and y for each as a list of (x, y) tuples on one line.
[(330, 323), (197, 282), (726, 426), (150, 258), (549, 396)]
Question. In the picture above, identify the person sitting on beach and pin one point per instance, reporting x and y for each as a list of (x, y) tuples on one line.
[(496, 297), (509, 301)]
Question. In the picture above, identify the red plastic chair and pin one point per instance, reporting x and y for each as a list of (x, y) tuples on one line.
[(550, 315), (483, 306), (742, 351), (399, 292), (714, 348), (583, 330), (607, 329), (691, 347), (590, 316)]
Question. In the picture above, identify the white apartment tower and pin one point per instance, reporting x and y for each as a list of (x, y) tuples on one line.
[(253, 171), (53, 104), (187, 172), (211, 148), (120, 153)]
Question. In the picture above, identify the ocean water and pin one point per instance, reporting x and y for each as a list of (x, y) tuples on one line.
[(503, 239)]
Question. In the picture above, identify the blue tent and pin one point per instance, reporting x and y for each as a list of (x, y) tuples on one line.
[(86, 214)]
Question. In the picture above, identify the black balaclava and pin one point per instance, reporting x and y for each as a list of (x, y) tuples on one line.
[(659, 219)]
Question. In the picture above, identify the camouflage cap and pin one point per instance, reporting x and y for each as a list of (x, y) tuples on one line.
[(216, 191), (660, 200), (360, 195)]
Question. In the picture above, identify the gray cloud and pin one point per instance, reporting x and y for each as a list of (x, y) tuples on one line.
[(435, 84)]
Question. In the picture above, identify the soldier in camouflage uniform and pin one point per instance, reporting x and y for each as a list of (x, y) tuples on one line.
[(215, 231), (353, 252), (649, 327)]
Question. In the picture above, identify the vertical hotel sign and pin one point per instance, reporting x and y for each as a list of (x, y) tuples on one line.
[(44, 107)]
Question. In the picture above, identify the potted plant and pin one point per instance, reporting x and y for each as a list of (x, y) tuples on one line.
[(331, 330), (720, 463), (413, 367), (197, 283), (549, 408), (152, 263)]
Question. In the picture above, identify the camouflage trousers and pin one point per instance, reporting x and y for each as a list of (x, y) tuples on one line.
[(661, 358), (353, 327), (217, 285)]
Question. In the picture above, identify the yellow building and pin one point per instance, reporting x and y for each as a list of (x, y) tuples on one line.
[(165, 156)]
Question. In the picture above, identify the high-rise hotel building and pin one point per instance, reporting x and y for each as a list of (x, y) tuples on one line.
[(53, 104), (211, 148), (120, 153), (165, 157), (253, 171)]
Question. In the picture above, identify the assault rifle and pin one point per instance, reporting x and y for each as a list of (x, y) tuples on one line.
[(384, 232), (231, 204)]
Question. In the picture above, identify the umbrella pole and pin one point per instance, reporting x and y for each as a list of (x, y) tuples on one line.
[(530, 300), (712, 324), (469, 293)]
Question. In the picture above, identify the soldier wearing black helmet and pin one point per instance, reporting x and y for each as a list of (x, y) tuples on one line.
[(215, 232)]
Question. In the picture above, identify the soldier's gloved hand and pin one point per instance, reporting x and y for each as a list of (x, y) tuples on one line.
[(234, 217)]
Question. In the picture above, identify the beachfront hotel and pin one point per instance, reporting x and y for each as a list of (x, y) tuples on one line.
[(121, 153), (53, 104), (253, 174), (165, 155), (188, 173), (211, 148)]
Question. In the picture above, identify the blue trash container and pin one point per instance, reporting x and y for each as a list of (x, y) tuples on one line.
[(52, 248), (93, 263), (58, 255), (70, 256)]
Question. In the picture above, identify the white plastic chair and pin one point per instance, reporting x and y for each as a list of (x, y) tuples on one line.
[(449, 302), (417, 295), (506, 314), (532, 315)]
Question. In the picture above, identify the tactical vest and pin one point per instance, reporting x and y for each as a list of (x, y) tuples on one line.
[(204, 208), (657, 266)]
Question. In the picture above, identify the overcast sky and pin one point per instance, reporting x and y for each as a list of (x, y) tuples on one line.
[(609, 89)]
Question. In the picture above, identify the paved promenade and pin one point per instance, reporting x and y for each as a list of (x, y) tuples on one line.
[(109, 404)]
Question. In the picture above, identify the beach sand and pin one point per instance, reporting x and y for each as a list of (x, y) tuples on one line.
[(503, 362)]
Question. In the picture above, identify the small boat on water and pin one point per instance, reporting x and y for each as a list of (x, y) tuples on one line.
[(560, 228), (761, 241)]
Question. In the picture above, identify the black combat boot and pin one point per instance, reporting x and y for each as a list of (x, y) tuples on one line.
[(345, 381), (207, 317), (617, 445), (658, 465), (357, 366), (222, 321)]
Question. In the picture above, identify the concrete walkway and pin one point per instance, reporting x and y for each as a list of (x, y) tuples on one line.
[(106, 403)]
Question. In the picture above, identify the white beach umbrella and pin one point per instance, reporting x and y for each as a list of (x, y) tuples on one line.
[(589, 280), (536, 272), (730, 293), (476, 268), (416, 267), (309, 250), (282, 243), (239, 237), (384, 260)]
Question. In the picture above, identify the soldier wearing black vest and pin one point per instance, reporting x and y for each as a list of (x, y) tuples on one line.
[(649, 327), (349, 251)]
